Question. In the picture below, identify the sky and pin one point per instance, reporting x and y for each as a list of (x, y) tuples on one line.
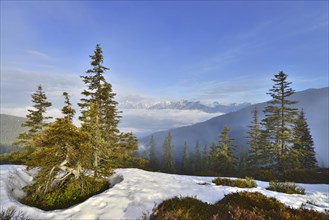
[(225, 51)]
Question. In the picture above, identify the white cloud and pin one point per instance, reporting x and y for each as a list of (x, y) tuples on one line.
[(146, 121)]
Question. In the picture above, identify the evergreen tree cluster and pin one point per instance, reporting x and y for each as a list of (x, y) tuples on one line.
[(280, 142), (219, 160), (68, 154)]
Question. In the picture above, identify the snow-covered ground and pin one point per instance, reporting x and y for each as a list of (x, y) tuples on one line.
[(136, 192)]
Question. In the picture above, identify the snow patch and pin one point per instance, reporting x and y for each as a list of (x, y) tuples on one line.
[(135, 192)]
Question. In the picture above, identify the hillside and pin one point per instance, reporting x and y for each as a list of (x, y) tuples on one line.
[(313, 101), (10, 127), (135, 192)]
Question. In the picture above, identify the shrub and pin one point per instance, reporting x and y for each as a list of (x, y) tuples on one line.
[(242, 183), (286, 187), (11, 214), (320, 175), (61, 198), (241, 205)]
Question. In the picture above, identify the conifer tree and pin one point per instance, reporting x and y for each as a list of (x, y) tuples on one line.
[(153, 162), (213, 157), (186, 160), (303, 143), (280, 115), (197, 158), (256, 148), (36, 119), (99, 92), (68, 110), (100, 119), (205, 159), (226, 159), (243, 161), (168, 155)]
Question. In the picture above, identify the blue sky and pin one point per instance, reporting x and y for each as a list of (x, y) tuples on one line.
[(225, 51)]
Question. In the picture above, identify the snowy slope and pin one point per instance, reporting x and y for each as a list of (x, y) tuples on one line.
[(136, 192)]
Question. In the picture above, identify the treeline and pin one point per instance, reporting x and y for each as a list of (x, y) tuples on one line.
[(74, 162), (278, 144)]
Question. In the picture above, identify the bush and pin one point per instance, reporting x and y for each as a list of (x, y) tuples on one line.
[(286, 187), (61, 198), (241, 205), (319, 175), (248, 201), (183, 208), (242, 183), (11, 214)]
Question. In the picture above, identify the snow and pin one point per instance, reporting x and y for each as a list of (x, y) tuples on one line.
[(135, 192)]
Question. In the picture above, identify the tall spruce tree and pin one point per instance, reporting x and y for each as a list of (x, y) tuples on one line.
[(99, 92), (100, 119), (226, 159), (303, 143), (280, 115), (36, 119), (168, 163)]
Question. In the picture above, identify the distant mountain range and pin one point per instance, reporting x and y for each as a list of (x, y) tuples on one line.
[(313, 101), (185, 105)]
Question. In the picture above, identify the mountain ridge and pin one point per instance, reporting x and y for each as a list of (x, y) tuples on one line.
[(185, 105)]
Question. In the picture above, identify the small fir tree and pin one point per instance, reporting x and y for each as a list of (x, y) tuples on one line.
[(197, 158), (36, 119), (153, 162), (243, 162), (259, 154), (168, 155), (213, 158), (205, 159), (186, 160), (68, 110)]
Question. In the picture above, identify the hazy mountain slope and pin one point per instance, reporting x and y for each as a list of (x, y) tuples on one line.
[(313, 101), (10, 127)]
